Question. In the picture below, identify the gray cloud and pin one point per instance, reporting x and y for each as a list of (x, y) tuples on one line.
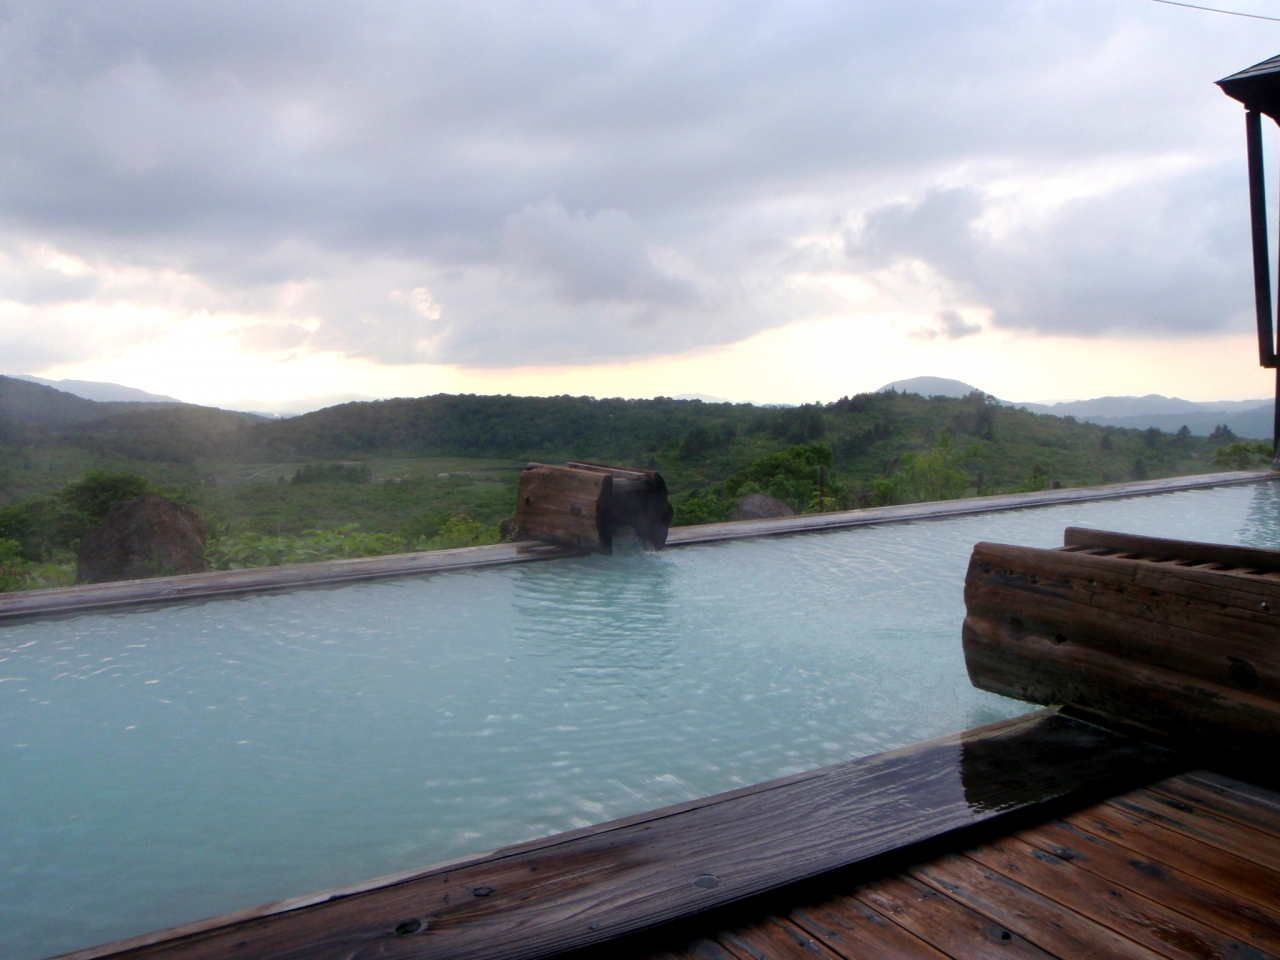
[(1160, 257), (314, 164), (590, 258)]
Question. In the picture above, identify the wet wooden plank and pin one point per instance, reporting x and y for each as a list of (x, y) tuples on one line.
[(1136, 917), (775, 939), (953, 928), (1194, 821), (1197, 713), (1192, 620), (1037, 918), (1160, 881), (1154, 842), (1224, 802), (1252, 792), (854, 930), (591, 885), (700, 949), (1158, 547)]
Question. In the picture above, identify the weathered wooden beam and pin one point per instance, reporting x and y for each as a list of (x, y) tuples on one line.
[(1189, 652), (1182, 551), (1219, 627), (589, 886), (1039, 669)]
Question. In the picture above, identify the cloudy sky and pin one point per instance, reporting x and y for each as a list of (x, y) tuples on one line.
[(250, 203)]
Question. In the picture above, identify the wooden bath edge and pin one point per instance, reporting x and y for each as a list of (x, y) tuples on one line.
[(590, 886), (71, 600)]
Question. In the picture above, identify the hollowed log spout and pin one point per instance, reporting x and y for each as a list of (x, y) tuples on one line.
[(586, 505)]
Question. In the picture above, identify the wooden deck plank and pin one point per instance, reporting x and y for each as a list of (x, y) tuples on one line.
[(1152, 841), (854, 930), (1140, 919), (775, 939), (1225, 803), (953, 928), (1161, 882), (1194, 821), (1244, 791), (591, 885), (700, 949), (1035, 917)]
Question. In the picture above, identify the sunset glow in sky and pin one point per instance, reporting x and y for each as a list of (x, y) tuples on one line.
[(261, 205)]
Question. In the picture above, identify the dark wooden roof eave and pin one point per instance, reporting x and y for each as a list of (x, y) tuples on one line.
[(1257, 87)]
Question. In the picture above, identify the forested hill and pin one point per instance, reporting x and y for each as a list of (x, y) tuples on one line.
[(692, 442), (518, 427)]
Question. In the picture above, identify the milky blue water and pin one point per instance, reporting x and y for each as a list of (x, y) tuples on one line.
[(167, 764)]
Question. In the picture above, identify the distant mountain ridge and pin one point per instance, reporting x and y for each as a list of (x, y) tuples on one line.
[(25, 400), (1246, 418), (101, 392)]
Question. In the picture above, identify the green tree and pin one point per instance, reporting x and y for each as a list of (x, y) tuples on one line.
[(1242, 455), (933, 475), (94, 495)]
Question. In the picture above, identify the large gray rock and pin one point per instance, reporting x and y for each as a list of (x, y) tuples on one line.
[(141, 538), (761, 506)]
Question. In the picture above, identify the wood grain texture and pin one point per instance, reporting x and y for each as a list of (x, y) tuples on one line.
[(1178, 550), (1100, 882), (1225, 803), (1196, 822), (775, 938), (953, 928), (1130, 914), (1269, 799), (1161, 882), (1040, 669), (1197, 621), (1152, 842), (588, 886), (1039, 919), (564, 506), (854, 930)]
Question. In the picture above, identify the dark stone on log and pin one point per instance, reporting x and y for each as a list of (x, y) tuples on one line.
[(761, 506), (141, 538)]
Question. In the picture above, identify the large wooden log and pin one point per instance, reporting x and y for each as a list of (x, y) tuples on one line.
[(585, 506), (564, 506), (1212, 625), (1147, 632), (1039, 669)]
